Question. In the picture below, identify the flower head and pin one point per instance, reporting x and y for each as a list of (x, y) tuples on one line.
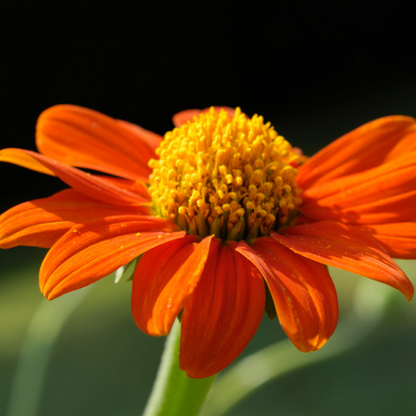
[(228, 218)]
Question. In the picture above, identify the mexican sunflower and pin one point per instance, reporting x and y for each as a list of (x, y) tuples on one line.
[(226, 218)]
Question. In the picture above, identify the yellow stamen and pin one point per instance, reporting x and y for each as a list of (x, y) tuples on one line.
[(233, 177)]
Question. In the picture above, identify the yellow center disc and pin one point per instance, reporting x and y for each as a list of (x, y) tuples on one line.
[(232, 177)]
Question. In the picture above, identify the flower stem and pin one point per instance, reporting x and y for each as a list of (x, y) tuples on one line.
[(174, 393)]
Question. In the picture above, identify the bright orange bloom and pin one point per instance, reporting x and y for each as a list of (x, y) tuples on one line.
[(227, 217)]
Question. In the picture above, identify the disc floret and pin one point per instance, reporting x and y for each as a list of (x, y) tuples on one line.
[(232, 177)]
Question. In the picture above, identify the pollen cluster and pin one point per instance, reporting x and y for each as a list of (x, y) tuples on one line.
[(232, 177)]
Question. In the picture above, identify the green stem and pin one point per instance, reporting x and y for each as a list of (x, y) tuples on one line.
[(174, 393)]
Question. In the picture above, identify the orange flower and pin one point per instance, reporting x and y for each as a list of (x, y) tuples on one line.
[(229, 219)]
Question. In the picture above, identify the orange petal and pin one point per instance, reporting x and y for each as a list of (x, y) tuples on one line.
[(357, 151), (151, 139), (222, 314), (403, 146), (389, 191), (399, 240), (398, 208), (302, 290), (85, 138), (163, 281), (136, 187), (24, 158), (42, 222), (90, 251), (188, 115), (184, 116), (383, 178), (91, 185), (346, 247)]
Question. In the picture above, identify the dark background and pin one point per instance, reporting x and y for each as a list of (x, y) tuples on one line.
[(315, 71)]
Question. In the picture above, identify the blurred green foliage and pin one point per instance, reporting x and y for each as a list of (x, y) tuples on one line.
[(103, 365)]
